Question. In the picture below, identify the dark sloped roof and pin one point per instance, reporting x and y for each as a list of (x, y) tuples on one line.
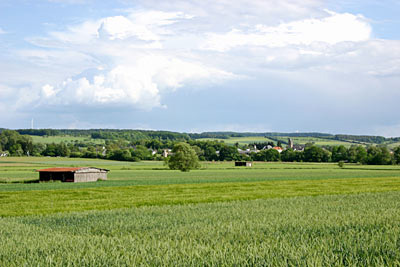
[(67, 169)]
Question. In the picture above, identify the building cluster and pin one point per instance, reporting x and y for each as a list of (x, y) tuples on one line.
[(290, 145)]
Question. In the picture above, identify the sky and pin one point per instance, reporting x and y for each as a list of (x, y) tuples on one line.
[(201, 65)]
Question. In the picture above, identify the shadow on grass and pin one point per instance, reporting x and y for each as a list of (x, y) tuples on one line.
[(369, 169), (20, 182)]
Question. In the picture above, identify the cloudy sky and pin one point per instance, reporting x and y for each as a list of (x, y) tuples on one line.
[(199, 65)]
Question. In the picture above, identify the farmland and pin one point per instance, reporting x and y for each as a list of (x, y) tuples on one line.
[(145, 214), (241, 140), (245, 140), (65, 139), (297, 140)]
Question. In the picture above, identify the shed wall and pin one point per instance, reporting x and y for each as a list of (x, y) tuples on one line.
[(89, 176)]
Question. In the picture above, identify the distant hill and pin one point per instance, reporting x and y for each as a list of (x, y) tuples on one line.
[(125, 134), (225, 135), (134, 135)]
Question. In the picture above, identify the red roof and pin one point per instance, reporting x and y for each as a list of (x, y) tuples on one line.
[(60, 169)]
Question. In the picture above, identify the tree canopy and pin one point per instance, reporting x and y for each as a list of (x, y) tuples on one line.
[(184, 158)]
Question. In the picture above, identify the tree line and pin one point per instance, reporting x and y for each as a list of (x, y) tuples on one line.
[(15, 144), (113, 134)]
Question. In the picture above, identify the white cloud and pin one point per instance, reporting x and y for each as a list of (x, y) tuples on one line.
[(120, 27), (219, 14), (136, 58), (48, 91), (333, 29), (142, 25), (132, 69), (138, 84), (2, 31)]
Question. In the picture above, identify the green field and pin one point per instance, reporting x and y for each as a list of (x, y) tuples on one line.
[(144, 214), (393, 145), (297, 140), (230, 141), (317, 141), (241, 140), (65, 139)]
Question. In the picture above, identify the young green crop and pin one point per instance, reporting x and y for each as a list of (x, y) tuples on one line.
[(340, 230), (154, 173), (105, 198)]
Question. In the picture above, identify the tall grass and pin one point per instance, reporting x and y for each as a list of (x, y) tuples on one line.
[(340, 230)]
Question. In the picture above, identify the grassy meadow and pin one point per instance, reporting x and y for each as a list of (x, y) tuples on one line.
[(297, 140), (317, 141), (145, 214), (65, 138), (241, 140)]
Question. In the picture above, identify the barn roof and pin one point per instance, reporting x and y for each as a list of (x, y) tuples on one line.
[(67, 169)]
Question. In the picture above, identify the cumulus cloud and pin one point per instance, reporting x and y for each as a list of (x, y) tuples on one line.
[(120, 27), (137, 26), (130, 66), (138, 58), (217, 15), (138, 84), (333, 29)]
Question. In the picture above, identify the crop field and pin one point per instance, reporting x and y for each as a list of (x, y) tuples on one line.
[(393, 145), (65, 139), (297, 140), (144, 214), (241, 140), (317, 141)]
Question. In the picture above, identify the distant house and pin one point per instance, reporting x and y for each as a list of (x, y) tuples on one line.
[(248, 151), (244, 152), (267, 147), (166, 152), (73, 175), (243, 164), (298, 147), (278, 148)]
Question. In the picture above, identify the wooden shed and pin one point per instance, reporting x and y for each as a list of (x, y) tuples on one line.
[(73, 175), (243, 163)]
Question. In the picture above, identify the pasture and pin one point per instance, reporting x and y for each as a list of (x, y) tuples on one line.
[(145, 214), (297, 140), (241, 140), (66, 139), (317, 141)]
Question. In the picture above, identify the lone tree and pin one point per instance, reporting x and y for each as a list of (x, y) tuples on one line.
[(183, 158)]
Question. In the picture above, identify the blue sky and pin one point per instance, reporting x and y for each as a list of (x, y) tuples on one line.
[(287, 65)]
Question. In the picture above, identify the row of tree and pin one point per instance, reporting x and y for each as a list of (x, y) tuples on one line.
[(112, 134), (15, 144), (372, 155), (185, 158)]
